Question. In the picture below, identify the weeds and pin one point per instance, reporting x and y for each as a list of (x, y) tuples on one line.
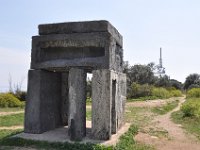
[(166, 108)]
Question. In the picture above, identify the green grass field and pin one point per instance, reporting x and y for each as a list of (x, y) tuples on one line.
[(12, 120)]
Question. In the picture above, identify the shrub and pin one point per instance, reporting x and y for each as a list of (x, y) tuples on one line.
[(140, 90), (174, 92), (193, 86), (160, 92), (191, 108), (21, 95), (8, 100), (193, 93)]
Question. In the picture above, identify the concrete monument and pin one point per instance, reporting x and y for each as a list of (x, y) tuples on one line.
[(62, 54)]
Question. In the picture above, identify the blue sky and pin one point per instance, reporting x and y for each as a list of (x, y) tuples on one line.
[(146, 25)]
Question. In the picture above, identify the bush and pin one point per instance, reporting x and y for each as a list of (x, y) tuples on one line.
[(149, 92), (9, 100), (160, 93), (140, 90), (193, 93), (21, 95), (174, 92), (191, 108)]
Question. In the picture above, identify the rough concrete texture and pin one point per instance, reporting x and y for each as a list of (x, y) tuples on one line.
[(121, 99), (80, 27), (77, 104), (92, 45), (42, 112), (101, 104), (90, 50), (118, 81)]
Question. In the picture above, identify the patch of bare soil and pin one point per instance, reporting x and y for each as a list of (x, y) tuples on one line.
[(171, 137), (10, 113), (11, 128)]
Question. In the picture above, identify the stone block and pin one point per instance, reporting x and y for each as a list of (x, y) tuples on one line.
[(42, 112), (77, 104), (80, 27), (101, 104), (88, 50)]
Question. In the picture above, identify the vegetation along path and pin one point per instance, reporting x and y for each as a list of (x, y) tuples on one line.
[(170, 136)]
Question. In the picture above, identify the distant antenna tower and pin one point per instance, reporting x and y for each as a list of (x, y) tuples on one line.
[(161, 69)]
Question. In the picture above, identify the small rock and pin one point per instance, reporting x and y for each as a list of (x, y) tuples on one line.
[(154, 137)]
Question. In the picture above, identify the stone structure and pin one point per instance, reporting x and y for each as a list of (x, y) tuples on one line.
[(61, 56)]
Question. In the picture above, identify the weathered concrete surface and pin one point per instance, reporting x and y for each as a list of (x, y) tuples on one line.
[(68, 51), (101, 104), (90, 50), (121, 99), (92, 45), (42, 112), (77, 104), (80, 27), (118, 81)]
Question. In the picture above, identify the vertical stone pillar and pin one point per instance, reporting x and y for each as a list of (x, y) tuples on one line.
[(77, 104), (43, 103), (101, 104), (121, 99)]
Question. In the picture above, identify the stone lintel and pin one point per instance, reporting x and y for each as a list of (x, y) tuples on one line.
[(89, 50), (80, 27)]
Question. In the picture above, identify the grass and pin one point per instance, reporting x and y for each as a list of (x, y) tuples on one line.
[(89, 101), (127, 143), (7, 133), (166, 108), (50, 146), (191, 124), (12, 120), (139, 116), (8, 109)]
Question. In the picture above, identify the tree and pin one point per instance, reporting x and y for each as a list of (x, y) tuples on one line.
[(176, 84), (141, 74), (163, 81), (192, 80)]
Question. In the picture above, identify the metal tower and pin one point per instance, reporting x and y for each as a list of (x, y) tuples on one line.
[(160, 68)]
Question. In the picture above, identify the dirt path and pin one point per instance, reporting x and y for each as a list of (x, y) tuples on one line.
[(11, 128), (174, 136), (10, 113)]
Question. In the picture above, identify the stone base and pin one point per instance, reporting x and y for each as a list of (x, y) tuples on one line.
[(60, 135)]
